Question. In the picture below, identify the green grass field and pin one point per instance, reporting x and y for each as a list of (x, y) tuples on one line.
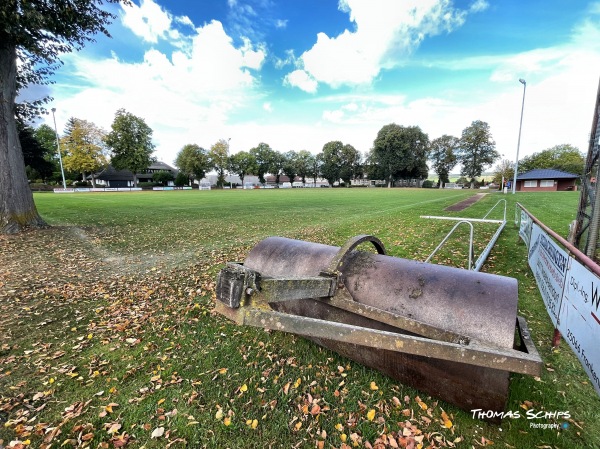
[(109, 339)]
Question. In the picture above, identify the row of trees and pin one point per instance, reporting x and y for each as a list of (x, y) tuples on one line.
[(87, 148), (398, 153)]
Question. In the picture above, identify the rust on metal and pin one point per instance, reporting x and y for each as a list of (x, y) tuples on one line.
[(447, 331)]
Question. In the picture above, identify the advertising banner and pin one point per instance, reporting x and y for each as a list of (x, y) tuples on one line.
[(580, 318), (525, 228), (549, 265)]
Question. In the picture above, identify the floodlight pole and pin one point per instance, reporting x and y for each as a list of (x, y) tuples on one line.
[(62, 171), (514, 186), (230, 182)]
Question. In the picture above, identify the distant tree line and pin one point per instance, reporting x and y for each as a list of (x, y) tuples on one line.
[(398, 153)]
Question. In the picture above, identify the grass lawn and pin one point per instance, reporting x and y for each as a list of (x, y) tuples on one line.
[(109, 340)]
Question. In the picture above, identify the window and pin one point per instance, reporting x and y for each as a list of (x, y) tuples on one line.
[(530, 184), (547, 183)]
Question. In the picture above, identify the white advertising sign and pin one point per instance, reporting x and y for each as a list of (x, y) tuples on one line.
[(525, 228), (580, 318), (549, 265)]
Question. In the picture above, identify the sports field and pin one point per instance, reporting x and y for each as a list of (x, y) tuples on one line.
[(109, 340)]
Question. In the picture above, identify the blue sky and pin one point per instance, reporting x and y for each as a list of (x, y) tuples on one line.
[(297, 74)]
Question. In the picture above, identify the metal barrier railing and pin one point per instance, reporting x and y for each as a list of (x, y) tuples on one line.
[(485, 253), (448, 236)]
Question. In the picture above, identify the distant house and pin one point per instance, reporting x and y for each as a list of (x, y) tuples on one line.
[(110, 177), (546, 180)]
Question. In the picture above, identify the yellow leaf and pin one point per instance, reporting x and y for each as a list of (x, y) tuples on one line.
[(254, 423), (339, 427), (219, 414), (343, 437), (374, 386), (297, 383), (248, 422), (371, 415), (298, 425), (222, 370), (160, 401), (27, 442), (244, 388), (51, 380), (227, 421)]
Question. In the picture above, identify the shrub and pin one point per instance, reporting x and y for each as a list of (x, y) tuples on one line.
[(427, 184), (41, 187), (181, 180), (147, 185)]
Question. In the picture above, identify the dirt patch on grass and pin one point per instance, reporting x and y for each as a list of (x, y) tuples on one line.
[(466, 203)]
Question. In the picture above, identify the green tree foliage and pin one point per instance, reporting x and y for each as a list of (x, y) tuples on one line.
[(242, 164), (219, 158), (504, 169), (290, 165), (332, 161), (443, 156), (46, 137), (563, 157), (162, 177), (350, 164), (400, 153), (264, 156), (193, 161), (131, 143), (277, 162), (83, 148), (181, 179), (305, 165), (37, 157), (36, 33), (317, 165), (477, 150)]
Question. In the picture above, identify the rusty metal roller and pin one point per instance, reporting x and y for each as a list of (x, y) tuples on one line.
[(447, 331)]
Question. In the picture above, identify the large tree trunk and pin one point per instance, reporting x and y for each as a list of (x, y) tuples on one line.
[(17, 209)]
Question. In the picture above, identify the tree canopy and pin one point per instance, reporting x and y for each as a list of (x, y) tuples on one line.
[(219, 159), (560, 157), (443, 156), (38, 159), (264, 156), (130, 142), (242, 164), (400, 153), (193, 161), (332, 161), (305, 165), (83, 148), (477, 150)]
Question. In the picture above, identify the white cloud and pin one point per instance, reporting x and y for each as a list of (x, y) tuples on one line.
[(267, 106), (381, 37), (281, 23), (302, 80), (149, 20), (176, 94), (479, 5)]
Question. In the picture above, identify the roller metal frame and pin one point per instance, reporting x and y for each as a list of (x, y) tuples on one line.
[(486, 252), (245, 297)]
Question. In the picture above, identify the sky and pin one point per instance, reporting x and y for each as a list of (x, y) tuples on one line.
[(297, 74)]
